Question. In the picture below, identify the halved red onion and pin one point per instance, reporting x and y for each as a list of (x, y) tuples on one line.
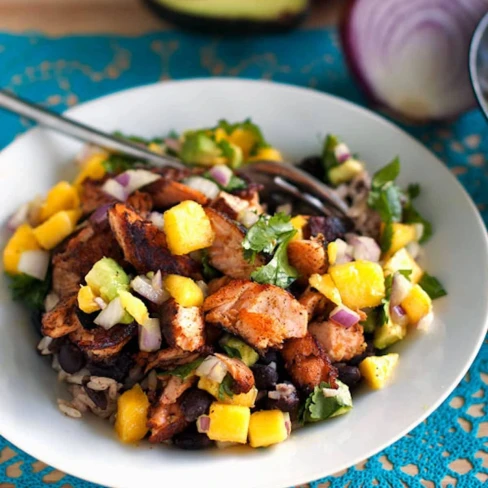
[(19, 217), (286, 417), (396, 46), (248, 218), (115, 189), (342, 153), (145, 288), (344, 316), (173, 144), (364, 248), (111, 315), (157, 219), (150, 336), (344, 252), (100, 215), (425, 322), (203, 185), (398, 315), (51, 300), (212, 368), (203, 424), (222, 174), (34, 263), (400, 288)]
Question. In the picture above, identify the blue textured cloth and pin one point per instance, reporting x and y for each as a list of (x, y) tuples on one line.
[(445, 450)]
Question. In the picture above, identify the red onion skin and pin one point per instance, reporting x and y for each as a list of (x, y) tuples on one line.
[(123, 179), (100, 215), (344, 318)]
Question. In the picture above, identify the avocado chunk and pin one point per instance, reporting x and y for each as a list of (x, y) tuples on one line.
[(387, 334), (232, 16), (235, 348), (345, 172), (199, 148), (107, 278)]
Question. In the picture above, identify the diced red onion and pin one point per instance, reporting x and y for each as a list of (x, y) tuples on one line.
[(150, 336), (20, 217), (414, 249), (425, 322), (157, 280), (51, 300), (396, 46), (145, 288), (419, 231), (248, 218), (203, 185), (100, 214), (115, 189), (344, 252), (344, 316), (157, 219), (330, 392), (342, 153), (222, 174), (398, 316), (203, 424), (204, 287), (364, 248), (400, 288), (34, 263), (139, 178), (100, 302), (286, 208), (111, 315), (286, 417), (212, 368), (123, 179), (173, 144)]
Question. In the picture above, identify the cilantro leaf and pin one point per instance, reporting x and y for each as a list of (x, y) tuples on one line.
[(329, 159), (319, 407), (184, 370), (138, 139), (209, 272), (412, 216), (387, 174), (406, 273), (386, 237), (116, 163), (413, 191), (29, 290), (225, 388), (432, 286), (384, 308), (235, 183), (232, 352)]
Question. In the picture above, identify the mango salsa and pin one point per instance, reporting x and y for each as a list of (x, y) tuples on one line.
[(134, 306), (325, 285), (22, 240), (184, 290), (403, 234), (229, 423), (131, 420), (267, 154), (55, 229), (377, 370), (417, 304), (298, 222), (403, 260), (243, 138), (86, 300), (243, 399), (187, 228), (268, 427), (62, 196), (93, 168), (361, 284), (332, 252)]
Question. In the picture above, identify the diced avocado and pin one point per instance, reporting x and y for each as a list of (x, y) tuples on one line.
[(107, 278), (345, 172), (234, 347), (199, 148), (387, 334), (233, 154)]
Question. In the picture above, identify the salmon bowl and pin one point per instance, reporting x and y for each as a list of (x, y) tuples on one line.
[(205, 313)]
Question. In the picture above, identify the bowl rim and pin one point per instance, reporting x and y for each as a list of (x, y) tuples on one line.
[(480, 30)]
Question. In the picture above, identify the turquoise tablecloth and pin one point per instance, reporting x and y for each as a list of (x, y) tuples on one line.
[(445, 450)]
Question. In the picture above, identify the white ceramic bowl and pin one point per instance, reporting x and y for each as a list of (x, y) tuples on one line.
[(295, 120)]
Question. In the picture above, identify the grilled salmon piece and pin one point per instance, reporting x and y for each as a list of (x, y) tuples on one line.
[(340, 343), (314, 302), (144, 245), (175, 387), (166, 358), (233, 206), (165, 193), (226, 253), (182, 327), (308, 257), (263, 315), (307, 363), (217, 283), (165, 421), (62, 319), (76, 257), (241, 374)]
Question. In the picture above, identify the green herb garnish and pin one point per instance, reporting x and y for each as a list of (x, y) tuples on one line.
[(225, 388), (184, 370), (29, 290), (432, 286)]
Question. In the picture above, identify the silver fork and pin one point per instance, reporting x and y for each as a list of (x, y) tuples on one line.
[(282, 176)]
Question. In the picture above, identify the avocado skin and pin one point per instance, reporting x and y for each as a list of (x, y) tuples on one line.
[(226, 27)]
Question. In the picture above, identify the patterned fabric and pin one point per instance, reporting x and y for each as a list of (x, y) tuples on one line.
[(448, 449)]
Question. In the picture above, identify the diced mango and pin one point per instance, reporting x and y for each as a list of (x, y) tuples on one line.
[(62, 196), (156, 148), (267, 427), (184, 290), (377, 370), (267, 154), (134, 306), (243, 399), (131, 420), (417, 304), (298, 222), (86, 300), (187, 228), (332, 249), (403, 234), (243, 138), (361, 284), (22, 240), (55, 229), (403, 260), (93, 168), (229, 423), (325, 285)]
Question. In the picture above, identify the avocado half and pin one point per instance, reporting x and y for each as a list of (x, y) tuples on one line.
[(232, 16)]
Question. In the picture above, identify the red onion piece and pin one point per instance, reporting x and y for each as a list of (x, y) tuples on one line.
[(157, 219), (51, 300), (342, 153), (123, 178), (34, 263), (414, 249), (203, 424), (115, 189), (203, 185), (212, 368), (150, 336), (139, 178), (19, 217), (157, 280), (398, 316), (100, 215), (100, 302), (425, 322), (145, 288), (286, 417), (400, 288), (344, 252), (204, 287), (344, 316), (411, 56), (221, 174), (364, 248), (173, 144), (248, 218), (111, 315)]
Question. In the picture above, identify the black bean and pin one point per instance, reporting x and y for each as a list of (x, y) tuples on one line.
[(86, 319), (116, 368), (194, 403), (265, 377), (99, 398), (331, 228), (313, 165), (350, 375), (191, 441), (369, 351), (71, 358), (269, 357), (288, 402)]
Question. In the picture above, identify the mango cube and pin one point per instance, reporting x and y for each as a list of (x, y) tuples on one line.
[(187, 228), (243, 138), (243, 399), (22, 240), (332, 249), (184, 290), (93, 168), (131, 421), (417, 304), (55, 229), (86, 300), (267, 154), (377, 370), (229, 423), (325, 285), (403, 234), (268, 427), (298, 222), (361, 284), (62, 196), (134, 306), (403, 260)]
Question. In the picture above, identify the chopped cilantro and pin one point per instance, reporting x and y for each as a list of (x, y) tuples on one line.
[(406, 273), (184, 370), (319, 407), (432, 286), (412, 216), (209, 272), (116, 163), (138, 139), (225, 388), (384, 308), (413, 190), (29, 290)]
